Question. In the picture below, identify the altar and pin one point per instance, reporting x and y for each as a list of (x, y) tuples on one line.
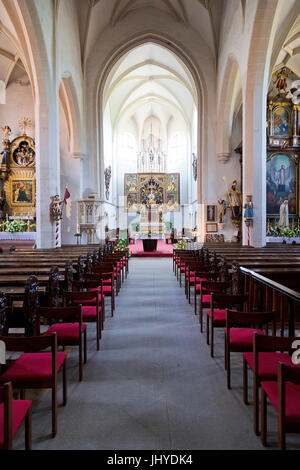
[(149, 244)]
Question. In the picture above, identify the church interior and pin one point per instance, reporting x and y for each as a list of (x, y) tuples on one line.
[(149, 224)]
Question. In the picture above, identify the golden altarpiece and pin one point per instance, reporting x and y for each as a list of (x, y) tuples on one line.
[(18, 175), (283, 155)]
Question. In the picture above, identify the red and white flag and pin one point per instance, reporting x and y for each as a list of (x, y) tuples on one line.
[(67, 195)]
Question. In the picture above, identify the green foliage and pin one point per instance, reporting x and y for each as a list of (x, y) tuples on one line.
[(135, 226), (168, 226), (287, 232), (122, 245), (14, 226), (181, 245)]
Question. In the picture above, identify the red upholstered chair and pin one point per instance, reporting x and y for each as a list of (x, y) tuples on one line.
[(91, 309), (206, 289), (12, 414), (92, 286), (190, 277), (67, 323), (203, 276), (108, 290), (122, 263), (216, 315), (183, 264), (284, 395), (263, 361), (112, 266), (35, 369), (123, 256), (240, 328)]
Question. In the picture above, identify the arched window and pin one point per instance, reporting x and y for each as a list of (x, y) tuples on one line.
[(177, 147), (127, 147)]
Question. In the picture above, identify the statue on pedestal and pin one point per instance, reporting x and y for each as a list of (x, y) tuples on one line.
[(248, 214), (284, 215), (235, 203), (222, 210)]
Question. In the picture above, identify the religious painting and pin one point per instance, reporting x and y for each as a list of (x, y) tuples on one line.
[(173, 192), (282, 182), (151, 189), (22, 192), (211, 228), (211, 213), (131, 185), (24, 155), (132, 202), (281, 120), (131, 194)]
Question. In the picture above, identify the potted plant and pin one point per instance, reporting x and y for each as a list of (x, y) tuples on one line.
[(122, 245), (180, 245), (135, 227), (168, 226)]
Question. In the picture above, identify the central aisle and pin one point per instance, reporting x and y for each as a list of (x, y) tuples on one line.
[(153, 385)]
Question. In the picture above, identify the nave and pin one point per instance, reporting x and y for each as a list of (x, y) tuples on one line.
[(153, 384)]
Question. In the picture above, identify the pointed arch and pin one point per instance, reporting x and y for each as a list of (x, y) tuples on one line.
[(70, 106), (230, 90)]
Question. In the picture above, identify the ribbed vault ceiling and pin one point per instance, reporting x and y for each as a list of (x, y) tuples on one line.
[(150, 81)]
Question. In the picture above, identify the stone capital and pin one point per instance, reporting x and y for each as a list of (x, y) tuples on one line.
[(78, 155), (223, 157)]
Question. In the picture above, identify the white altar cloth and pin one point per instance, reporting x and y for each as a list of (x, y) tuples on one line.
[(18, 236)]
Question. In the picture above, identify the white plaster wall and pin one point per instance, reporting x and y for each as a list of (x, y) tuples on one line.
[(19, 104), (179, 164)]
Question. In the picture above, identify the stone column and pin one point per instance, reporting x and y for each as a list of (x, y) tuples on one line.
[(254, 168), (47, 168)]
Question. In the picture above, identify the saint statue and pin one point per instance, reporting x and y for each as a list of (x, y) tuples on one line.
[(222, 210), (280, 79), (248, 214), (6, 131), (235, 200), (284, 215)]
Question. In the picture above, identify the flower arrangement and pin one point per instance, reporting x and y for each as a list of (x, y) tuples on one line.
[(181, 245), (14, 226), (122, 245), (287, 232)]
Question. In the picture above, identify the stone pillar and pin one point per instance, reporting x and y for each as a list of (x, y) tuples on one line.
[(47, 168), (254, 168)]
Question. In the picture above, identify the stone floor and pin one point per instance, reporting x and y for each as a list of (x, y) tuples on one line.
[(153, 385)]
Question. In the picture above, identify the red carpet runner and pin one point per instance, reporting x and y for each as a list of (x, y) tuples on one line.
[(163, 250)]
